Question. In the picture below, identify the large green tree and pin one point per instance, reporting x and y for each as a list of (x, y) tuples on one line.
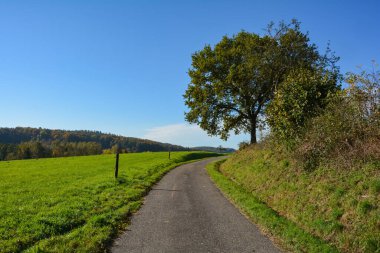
[(233, 82)]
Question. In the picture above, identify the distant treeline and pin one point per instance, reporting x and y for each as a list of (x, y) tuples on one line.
[(26, 142), (36, 149)]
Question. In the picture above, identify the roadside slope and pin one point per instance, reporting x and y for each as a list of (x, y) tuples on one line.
[(339, 207)]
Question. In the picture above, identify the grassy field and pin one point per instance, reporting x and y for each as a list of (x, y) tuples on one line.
[(74, 203), (319, 211)]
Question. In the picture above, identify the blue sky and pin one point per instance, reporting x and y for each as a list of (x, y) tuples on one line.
[(121, 66)]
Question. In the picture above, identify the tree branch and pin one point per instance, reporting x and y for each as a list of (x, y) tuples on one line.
[(230, 107)]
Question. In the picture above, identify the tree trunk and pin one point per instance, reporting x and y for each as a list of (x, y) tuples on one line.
[(253, 131), (253, 136)]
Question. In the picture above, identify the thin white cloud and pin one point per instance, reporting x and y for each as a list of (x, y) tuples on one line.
[(189, 136)]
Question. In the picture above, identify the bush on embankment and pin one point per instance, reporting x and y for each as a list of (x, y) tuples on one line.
[(347, 133), (337, 129)]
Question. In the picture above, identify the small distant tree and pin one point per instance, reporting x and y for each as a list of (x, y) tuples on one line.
[(234, 81), (23, 151), (244, 144), (38, 150), (115, 148)]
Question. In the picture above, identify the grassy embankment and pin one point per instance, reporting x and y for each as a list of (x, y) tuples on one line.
[(324, 210), (74, 203)]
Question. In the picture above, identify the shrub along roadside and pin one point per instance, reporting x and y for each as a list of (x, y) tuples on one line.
[(331, 128), (290, 236), (347, 133)]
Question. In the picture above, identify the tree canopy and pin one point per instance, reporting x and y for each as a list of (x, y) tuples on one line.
[(234, 81)]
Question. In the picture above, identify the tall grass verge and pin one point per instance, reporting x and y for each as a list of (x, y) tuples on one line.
[(340, 206), (291, 236)]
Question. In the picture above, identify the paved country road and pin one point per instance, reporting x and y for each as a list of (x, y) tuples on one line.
[(185, 212)]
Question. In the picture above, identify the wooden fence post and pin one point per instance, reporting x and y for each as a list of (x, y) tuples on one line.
[(117, 164)]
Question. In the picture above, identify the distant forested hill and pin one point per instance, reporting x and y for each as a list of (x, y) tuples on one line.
[(27, 142)]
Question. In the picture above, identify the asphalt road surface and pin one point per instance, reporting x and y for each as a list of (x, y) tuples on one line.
[(185, 212)]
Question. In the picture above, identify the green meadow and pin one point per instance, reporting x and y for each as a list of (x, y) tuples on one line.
[(75, 203)]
